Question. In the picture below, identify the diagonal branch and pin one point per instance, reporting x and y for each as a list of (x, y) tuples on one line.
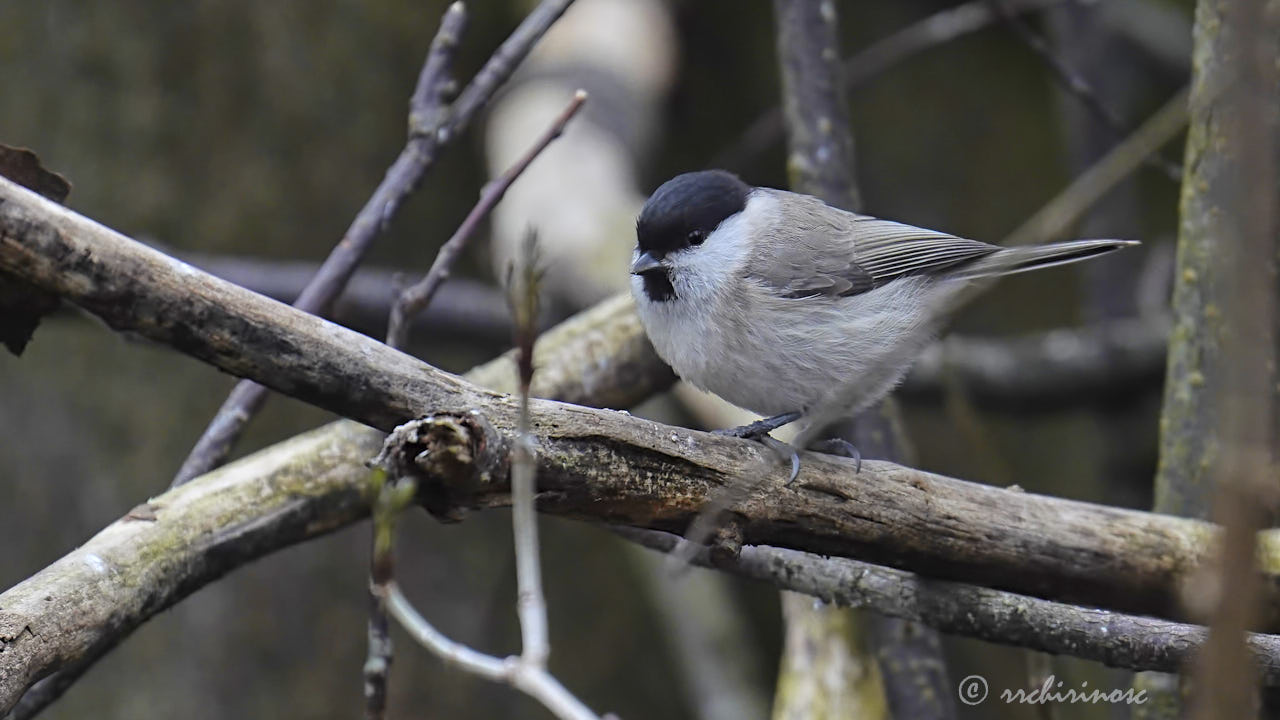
[(419, 295), (877, 58), (610, 466), (430, 128)]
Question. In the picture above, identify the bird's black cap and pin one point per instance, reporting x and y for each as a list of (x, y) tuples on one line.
[(687, 208)]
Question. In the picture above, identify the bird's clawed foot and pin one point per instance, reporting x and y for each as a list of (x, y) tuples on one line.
[(759, 431), (754, 431), (841, 447)]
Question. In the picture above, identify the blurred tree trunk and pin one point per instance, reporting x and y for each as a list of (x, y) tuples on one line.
[(840, 662), (1203, 381), (587, 187)]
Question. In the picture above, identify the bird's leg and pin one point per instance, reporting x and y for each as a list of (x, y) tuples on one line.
[(753, 431), (841, 447), (759, 431)]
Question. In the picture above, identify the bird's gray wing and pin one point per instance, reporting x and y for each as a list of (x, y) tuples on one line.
[(855, 254)]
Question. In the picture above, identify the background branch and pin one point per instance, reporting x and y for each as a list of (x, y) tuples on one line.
[(430, 128), (464, 308), (418, 296), (826, 641), (1079, 87), (876, 59)]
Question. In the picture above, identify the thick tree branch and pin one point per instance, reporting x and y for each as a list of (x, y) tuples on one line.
[(599, 347), (1116, 639), (166, 548), (607, 465)]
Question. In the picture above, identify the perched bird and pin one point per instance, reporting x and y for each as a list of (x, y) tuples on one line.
[(793, 309)]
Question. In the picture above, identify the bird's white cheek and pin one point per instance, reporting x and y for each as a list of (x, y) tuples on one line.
[(637, 289)]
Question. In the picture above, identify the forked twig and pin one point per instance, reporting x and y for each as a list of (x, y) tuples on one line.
[(416, 297), (431, 127), (527, 671)]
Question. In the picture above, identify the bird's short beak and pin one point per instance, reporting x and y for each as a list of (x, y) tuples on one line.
[(645, 263)]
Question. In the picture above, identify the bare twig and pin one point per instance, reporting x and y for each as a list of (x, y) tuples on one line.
[(391, 495), (1078, 87), (409, 304), (531, 604), (530, 679), (528, 671), (430, 128), (419, 295), (874, 60), (1113, 638), (429, 97), (1051, 221)]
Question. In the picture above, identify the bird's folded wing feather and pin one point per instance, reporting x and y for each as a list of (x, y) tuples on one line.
[(857, 256)]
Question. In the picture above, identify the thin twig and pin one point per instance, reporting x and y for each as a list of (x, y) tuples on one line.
[(1077, 86), (528, 671), (531, 604), (1051, 221), (534, 681), (404, 175), (391, 495), (431, 128), (416, 297), (874, 60)]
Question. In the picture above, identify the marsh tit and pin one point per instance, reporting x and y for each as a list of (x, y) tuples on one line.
[(790, 308)]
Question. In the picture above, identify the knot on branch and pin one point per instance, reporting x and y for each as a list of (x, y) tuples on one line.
[(450, 455)]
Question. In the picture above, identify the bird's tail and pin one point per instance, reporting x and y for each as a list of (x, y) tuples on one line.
[(1010, 260)]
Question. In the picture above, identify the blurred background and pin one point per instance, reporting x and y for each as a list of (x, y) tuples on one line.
[(244, 136)]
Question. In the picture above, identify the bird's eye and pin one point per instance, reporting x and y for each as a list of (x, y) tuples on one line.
[(696, 237)]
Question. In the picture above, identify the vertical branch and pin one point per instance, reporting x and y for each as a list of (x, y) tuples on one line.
[(530, 605), (820, 162), (1227, 308), (528, 671), (819, 139), (391, 495)]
